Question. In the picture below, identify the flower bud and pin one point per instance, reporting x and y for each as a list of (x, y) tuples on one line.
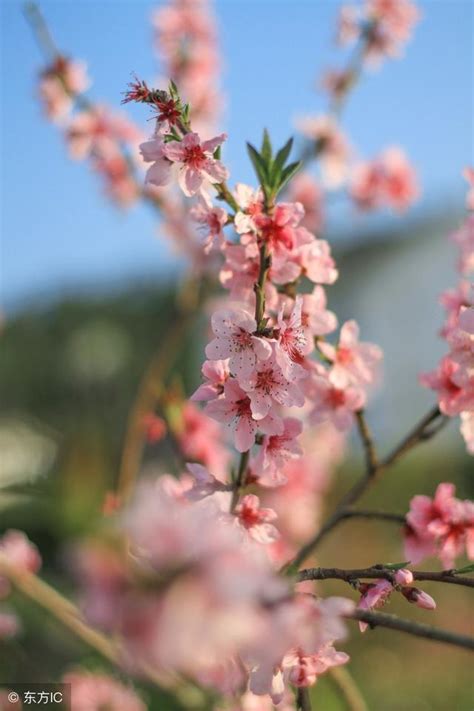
[(419, 598), (403, 576)]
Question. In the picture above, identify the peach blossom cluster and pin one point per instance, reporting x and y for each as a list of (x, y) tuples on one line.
[(199, 597), (453, 379), (59, 84), (442, 526), (186, 40), (384, 27), (376, 594)]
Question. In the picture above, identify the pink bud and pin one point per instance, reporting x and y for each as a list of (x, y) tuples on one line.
[(425, 601), (419, 598), (404, 576)]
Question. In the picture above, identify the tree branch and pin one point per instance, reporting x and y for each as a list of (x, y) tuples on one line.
[(426, 428), (374, 514), (35, 589), (150, 388), (416, 629), (380, 571)]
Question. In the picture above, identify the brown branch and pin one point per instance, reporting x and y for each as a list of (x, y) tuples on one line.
[(380, 571), (65, 612), (371, 459), (426, 428), (376, 515), (416, 629), (240, 479)]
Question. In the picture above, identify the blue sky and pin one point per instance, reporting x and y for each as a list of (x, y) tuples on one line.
[(58, 234)]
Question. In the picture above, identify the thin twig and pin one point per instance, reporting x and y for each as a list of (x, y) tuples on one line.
[(426, 428), (380, 571), (416, 629), (377, 515), (371, 459), (343, 679), (240, 479)]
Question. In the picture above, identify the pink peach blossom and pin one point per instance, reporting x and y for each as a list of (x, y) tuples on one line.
[(95, 691), (317, 263), (464, 238), (315, 318), (333, 403), (256, 520), (294, 345), (234, 339), (216, 373), (354, 362), (267, 386), (233, 409), (196, 162), (211, 220), (275, 451), (374, 595)]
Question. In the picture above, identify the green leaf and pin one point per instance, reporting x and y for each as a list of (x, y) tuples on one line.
[(288, 173), (217, 153), (266, 150), (282, 155), (467, 569), (278, 165), (396, 566), (173, 90), (259, 165)]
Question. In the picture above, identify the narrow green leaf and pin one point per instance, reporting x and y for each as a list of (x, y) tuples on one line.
[(287, 174), (396, 566), (279, 163), (282, 155), (266, 150), (258, 164), (173, 89), (467, 569)]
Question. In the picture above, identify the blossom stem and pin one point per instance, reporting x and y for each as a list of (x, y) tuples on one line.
[(240, 478), (379, 571), (426, 428), (303, 701), (260, 288), (41, 30), (49, 599), (416, 629)]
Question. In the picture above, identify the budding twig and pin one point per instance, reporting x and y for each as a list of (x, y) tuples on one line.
[(380, 571), (423, 430), (416, 629)]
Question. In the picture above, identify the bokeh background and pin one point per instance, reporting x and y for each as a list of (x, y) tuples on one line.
[(88, 293)]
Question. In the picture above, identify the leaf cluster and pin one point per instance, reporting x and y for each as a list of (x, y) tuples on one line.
[(273, 171)]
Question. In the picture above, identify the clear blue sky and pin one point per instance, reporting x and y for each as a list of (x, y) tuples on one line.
[(57, 231)]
